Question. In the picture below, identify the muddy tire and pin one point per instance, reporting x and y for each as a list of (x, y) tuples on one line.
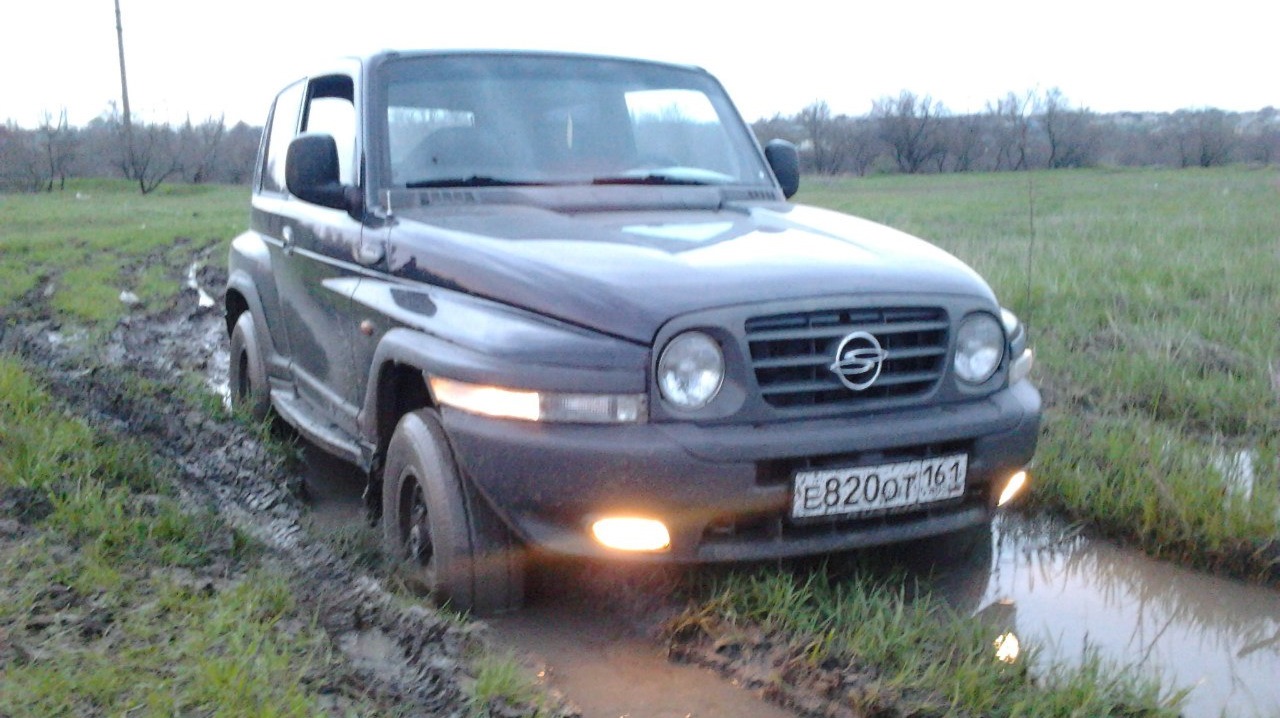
[(447, 541), (248, 372)]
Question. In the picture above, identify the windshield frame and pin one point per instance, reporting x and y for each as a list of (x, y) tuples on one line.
[(384, 71)]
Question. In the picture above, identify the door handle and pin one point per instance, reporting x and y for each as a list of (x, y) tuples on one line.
[(287, 239)]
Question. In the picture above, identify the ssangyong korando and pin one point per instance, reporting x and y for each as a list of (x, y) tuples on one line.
[(562, 302)]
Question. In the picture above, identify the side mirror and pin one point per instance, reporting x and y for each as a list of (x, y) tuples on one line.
[(311, 173), (785, 162)]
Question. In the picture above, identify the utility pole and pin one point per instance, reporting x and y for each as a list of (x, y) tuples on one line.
[(124, 93)]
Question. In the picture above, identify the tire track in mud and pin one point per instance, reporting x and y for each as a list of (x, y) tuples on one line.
[(584, 642), (408, 657)]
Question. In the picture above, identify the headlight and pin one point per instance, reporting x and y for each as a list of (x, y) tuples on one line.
[(506, 403), (691, 370), (979, 348)]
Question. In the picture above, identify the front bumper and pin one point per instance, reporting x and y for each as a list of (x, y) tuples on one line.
[(724, 491)]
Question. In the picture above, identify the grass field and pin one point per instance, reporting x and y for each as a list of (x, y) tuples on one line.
[(124, 602), (1154, 307), (100, 238), (1153, 304)]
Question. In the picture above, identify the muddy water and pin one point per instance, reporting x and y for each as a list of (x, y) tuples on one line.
[(583, 644), (1061, 592), (609, 667)]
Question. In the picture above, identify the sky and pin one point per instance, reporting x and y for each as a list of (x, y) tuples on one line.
[(227, 58)]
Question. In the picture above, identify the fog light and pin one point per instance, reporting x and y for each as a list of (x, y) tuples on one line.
[(1013, 488), (631, 534), (1007, 648)]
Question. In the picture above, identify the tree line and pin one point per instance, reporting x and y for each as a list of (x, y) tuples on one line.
[(43, 158), (909, 134), (914, 134)]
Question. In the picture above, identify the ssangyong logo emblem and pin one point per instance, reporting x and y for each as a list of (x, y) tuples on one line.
[(858, 360)]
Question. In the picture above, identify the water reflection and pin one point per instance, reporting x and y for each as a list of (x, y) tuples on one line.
[(1237, 470), (1063, 592)]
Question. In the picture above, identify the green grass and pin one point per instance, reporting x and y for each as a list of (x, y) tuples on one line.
[(891, 654), (119, 601), (501, 681), (100, 238), (1153, 305)]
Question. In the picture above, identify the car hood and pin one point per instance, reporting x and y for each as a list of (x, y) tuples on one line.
[(626, 273)]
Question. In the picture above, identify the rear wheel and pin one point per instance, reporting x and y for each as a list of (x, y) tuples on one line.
[(448, 541), (248, 372)]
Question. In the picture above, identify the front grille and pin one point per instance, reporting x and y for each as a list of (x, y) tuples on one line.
[(792, 354)]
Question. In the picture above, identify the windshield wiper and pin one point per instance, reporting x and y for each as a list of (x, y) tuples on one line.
[(471, 181), (649, 179)]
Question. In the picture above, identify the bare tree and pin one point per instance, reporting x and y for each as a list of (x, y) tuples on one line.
[(21, 165), (57, 144), (821, 139), (964, 137), (236, 161), (1070, 131), (911, 128), (199, 147), (1012, 117), (1205, 137), (861, 144), (1262, 137)]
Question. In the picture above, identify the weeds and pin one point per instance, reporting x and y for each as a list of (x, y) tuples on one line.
[(873, 650), (501, 680)]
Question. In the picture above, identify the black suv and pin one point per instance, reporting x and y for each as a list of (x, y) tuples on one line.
[(561, 301)]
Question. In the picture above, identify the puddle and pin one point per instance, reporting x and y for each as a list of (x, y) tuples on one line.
[(1062, 592), (600, 655), (203, 300)]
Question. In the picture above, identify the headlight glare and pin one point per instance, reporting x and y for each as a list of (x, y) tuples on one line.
[(979, 348), (691, 370), (528, 405)]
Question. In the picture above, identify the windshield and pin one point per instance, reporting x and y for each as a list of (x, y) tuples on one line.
[(491, 120)]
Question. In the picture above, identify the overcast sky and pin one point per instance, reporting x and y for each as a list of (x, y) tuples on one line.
[(228, 57)]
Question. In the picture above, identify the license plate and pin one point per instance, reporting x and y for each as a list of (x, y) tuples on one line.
[(874, 489)]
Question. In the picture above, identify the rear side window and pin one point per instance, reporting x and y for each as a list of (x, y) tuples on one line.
[(283, 124)]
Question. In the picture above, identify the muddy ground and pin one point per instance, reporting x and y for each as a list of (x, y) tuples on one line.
[(145, 380)]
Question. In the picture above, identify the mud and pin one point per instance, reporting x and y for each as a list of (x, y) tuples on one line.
[(138, 381)]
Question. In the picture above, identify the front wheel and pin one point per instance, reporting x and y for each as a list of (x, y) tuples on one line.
[(447, 540), (248, 373)]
